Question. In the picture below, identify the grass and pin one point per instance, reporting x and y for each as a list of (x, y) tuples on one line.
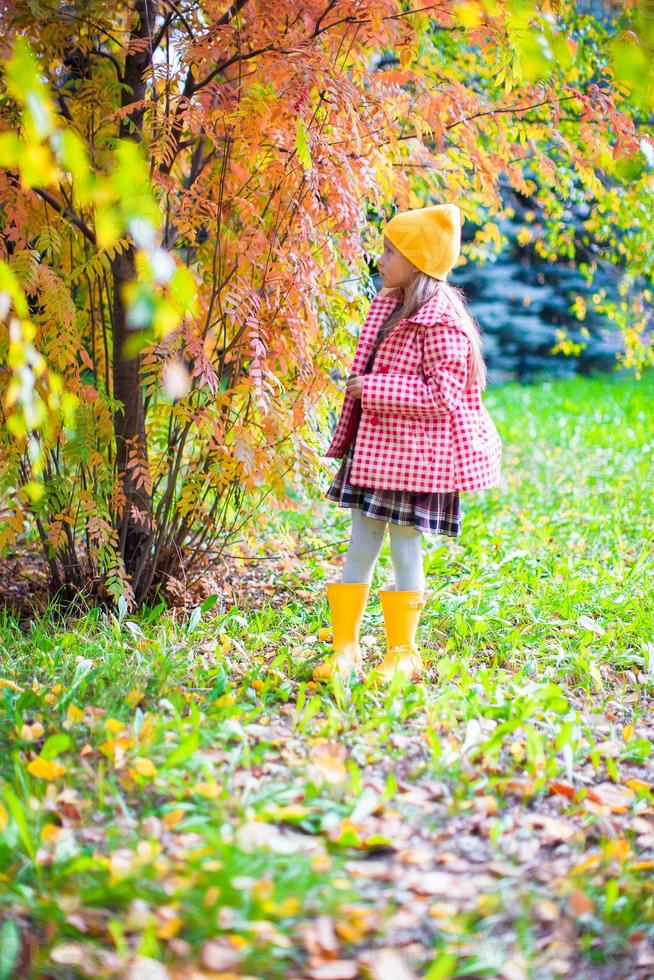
[(184, 793)]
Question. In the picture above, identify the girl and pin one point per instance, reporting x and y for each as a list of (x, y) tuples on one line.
[(413, 433)]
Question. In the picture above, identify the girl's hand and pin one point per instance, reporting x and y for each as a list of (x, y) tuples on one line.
[(354, 385)]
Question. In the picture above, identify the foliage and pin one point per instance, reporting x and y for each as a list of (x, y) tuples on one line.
[(246, 160), (184, 793)]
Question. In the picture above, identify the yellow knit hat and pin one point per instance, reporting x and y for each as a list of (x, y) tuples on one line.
[(429, 237)]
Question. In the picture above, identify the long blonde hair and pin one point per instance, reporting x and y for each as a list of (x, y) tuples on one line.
[(416, 294)]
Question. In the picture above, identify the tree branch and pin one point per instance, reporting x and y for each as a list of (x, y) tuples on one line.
[(66, 213), (112, 59)]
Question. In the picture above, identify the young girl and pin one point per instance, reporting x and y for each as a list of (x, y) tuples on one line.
[(413, 433)]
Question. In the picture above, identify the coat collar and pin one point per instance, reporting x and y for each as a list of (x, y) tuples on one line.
[(434, 311)]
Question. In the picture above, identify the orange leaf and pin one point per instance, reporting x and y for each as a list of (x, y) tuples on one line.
[(563, 789), (618, 849), (579, 903)]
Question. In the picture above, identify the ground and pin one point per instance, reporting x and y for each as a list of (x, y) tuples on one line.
[(180, 800)]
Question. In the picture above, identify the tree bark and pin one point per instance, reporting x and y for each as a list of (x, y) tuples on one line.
[(129, 422)]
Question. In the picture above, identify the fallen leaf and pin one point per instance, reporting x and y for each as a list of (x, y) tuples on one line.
[(172, 817), (443, 883), (218, 955), (617, 798), (46, 769), (388, 964), (562, 789), (319, 937), (618, 850), (546, 910), (553, 829), (10, 686), (328, 763), (579, 903), (74, 714), (145, 968), (145, 767), (67, 954), (637, 784), (334, 970), (31, 732)]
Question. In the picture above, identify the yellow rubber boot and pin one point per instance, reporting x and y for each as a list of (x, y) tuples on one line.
[(401, 611), (347, 603)]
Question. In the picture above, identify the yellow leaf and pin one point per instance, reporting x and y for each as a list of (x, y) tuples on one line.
[(594, 672), (74, 714), (4, 817), (637, 784), (114, 725), (169, 928), (46, 769), (592, 861), (211, 896), (10, 685), (628, 733), (172, 818), (618, 849), (225, 700), (225, 642), (50, 832), (641, 865), (134, 697), (288, 906), (145, 767), (114, 746), (146, 729), (210, 790), (292, 811)]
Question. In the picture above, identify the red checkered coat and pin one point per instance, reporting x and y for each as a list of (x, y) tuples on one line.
[(416, 427)]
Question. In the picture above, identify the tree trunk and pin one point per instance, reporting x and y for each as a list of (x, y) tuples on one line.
[(129, 423), (129, 428)]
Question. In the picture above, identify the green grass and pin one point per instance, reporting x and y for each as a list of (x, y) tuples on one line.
[(489, 821)]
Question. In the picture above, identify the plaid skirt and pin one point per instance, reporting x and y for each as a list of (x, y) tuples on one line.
[(438, 513)]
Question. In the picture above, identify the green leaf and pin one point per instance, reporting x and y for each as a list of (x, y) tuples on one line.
[(19, 814), (209, 602), (302, 143), (184, 751), (55, 745), (442, 967), (9, 948)]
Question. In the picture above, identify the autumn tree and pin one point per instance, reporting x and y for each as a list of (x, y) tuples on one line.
[(186, 244)]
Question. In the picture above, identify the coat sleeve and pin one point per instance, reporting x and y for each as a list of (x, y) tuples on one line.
[(446, 352)]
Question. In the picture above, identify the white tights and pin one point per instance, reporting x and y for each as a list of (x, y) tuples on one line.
[(366, 542)]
